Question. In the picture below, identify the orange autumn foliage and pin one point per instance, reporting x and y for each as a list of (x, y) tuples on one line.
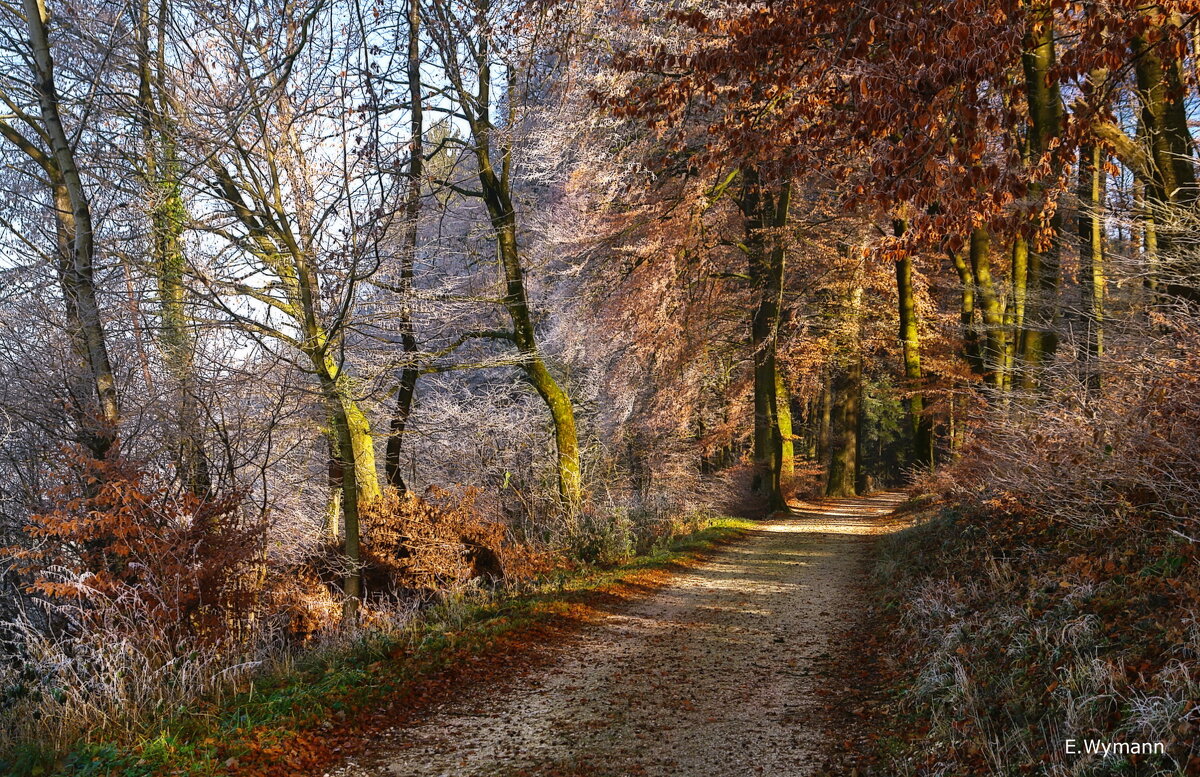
[(114, 538)]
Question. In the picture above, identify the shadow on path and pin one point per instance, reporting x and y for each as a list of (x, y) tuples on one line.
[(714, 675)]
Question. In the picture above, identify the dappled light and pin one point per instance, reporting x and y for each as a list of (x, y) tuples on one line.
[(722, 660), (524, 388)]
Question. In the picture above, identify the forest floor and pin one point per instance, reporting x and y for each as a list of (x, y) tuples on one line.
[(728, 669)]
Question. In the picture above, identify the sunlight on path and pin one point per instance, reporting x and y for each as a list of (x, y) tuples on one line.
[(713, 675)]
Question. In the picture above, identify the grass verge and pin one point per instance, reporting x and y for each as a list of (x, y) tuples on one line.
[(304, 718), (1012, 633)]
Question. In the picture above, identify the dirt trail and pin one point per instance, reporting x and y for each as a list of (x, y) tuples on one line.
[(714, 675)]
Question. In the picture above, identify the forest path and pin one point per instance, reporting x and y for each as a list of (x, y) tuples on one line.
[(715, 674)]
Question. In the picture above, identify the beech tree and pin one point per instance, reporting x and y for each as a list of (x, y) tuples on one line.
[(298, 222), (44, 138), (478, 43)]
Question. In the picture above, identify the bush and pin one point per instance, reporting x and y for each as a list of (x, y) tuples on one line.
[(139, 599), (119, 549)]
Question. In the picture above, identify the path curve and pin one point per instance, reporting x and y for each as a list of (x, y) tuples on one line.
[(714, 675)]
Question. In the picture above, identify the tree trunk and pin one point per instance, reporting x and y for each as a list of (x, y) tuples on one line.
[(1091, 256), (1149, 242), (412, 214), (845, 410), (566, 440), (99, 425), (1014, 310), (824, 431), (846, 394), (1040, 336), (496, 193), (352, 471), (411, 372), (783, 400), (357, 429), (966, 314), (1172, 179), (167, 217), (990, 308), (562, 413), (347, 470), (920, 427), (765, 211)]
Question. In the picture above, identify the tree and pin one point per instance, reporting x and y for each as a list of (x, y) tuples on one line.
[(765, 205), (163, 189), (470, 41), (94, 386), (410, 372), (298, 240), (920, 427)]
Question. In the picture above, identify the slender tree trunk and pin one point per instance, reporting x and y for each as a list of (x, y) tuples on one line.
[(566, 440), (562, 412), (1091, 255), (1040, 336), (824, 421), (333, 510), (861, 484), (74, 216), (1149, 242), (496, 189), (966, 314), (1172, 178), (412, 214), (920, 427), (1014, 315)]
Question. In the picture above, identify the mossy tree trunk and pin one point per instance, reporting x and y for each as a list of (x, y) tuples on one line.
[(167, 215), (562, 412), (991, 309), (352, 472), (1039, 339), (920, 427), (966, 313), (284, 254), (787, 436), (348, 469), (1014, 311), (462, 37)]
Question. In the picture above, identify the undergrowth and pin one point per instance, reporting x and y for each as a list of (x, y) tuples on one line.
[(1021, 633), (298, 707)]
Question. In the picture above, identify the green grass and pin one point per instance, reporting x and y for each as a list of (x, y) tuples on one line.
[(328, 685)]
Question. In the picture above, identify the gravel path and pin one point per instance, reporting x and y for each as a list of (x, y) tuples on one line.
[(713, 675)]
